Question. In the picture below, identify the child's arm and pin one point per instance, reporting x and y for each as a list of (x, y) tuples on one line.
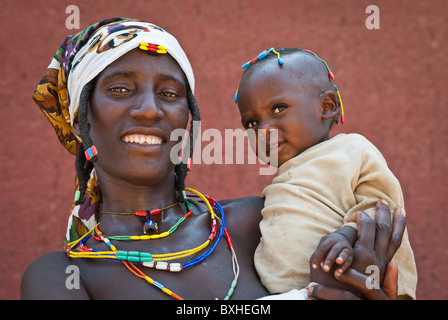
[(335, 247)]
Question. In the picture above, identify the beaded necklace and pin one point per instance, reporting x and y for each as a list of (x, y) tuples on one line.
[(158, 261), (152, 236), (150, 225)]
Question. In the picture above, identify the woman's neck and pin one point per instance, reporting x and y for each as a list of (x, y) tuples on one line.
[(120, 196)]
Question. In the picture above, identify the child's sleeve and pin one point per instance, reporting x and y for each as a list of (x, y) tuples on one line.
[(375, 182)]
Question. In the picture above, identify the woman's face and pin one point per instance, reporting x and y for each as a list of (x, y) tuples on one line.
[(137, 102)]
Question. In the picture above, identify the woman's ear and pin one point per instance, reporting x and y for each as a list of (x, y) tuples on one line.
[(329, 105)]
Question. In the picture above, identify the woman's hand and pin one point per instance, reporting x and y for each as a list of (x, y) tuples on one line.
[(359, 281), (378, 240)]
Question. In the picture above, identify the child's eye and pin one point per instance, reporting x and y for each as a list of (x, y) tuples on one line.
[(279, 108), (251, 124)]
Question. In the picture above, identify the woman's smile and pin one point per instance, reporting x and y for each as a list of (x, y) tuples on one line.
[(142, 139), (143, 143)]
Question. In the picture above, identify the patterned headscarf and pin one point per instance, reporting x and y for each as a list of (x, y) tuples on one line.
[(79, 59)]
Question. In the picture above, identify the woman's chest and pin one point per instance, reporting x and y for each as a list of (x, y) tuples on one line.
[(208, 272)]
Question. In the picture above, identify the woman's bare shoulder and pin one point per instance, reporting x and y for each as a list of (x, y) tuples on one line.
[(50, 277), (253, 202), (243, 216), (247, 207)]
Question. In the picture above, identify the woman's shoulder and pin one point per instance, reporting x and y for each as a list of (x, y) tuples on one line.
[(243, 216), (243, 207), (52, 276), (245, 201)]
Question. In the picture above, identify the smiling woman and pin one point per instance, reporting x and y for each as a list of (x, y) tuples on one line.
[(114, 105), (125, 109)]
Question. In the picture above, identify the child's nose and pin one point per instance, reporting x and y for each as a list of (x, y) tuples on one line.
[(265, 129)]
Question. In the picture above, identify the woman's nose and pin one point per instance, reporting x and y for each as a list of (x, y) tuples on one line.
[(146, 106)]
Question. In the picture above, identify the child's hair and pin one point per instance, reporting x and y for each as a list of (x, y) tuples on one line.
[(312, 76), (84, 166)]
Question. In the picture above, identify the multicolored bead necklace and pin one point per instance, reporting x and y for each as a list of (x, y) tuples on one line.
[(150, 225), (159, 261)]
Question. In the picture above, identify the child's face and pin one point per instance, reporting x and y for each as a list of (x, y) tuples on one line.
[(274, 97)]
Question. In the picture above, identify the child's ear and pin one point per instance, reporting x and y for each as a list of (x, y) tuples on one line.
[(329, 105)]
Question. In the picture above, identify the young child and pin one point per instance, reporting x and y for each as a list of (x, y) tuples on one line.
[(320, 181)]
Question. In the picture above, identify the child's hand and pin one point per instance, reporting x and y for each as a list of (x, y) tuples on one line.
[(333, 248)]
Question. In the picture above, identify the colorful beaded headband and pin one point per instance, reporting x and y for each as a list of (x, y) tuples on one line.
[(280, 61), (153, 48)]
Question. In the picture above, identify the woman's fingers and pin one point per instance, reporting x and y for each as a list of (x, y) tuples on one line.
[(398, 227), (381, 235), (321, 292), (366, 229), (390, 283), (367, 285), (383, 226)]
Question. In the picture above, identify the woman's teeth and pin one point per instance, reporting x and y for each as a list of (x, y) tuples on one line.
[(142, 139)]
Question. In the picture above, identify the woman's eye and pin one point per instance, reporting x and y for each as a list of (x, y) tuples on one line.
[(169, 95), (252, 123), (119, 90), (278, 109)]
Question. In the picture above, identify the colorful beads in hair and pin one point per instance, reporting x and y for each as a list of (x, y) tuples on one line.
[(263, 55), (331, 76)]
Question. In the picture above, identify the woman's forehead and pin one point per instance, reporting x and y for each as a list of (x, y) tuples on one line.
[(140, 63)]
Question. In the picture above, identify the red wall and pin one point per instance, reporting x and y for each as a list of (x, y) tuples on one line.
[(392, 81)]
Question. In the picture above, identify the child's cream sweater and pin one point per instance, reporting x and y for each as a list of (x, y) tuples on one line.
[(311, 196)]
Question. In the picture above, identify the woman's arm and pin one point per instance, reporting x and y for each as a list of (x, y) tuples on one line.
[(51, 277), (353, 278)]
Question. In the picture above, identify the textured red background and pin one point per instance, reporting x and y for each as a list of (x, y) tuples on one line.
[(392, 80)]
